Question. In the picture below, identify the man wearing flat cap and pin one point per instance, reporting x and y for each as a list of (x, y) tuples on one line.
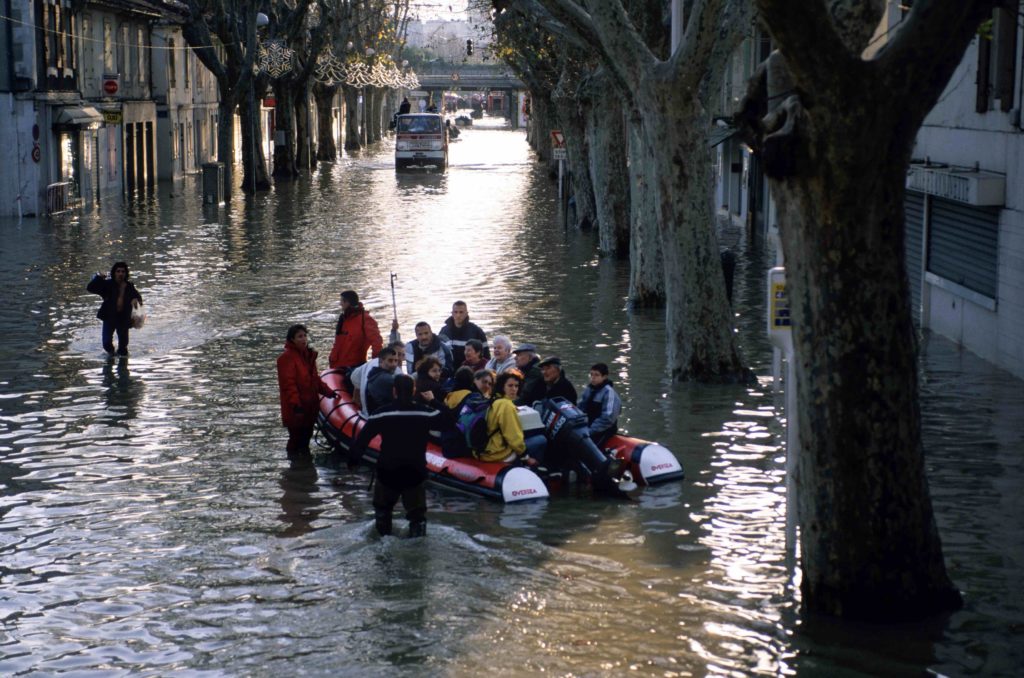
[(533, 383), (556, 385)]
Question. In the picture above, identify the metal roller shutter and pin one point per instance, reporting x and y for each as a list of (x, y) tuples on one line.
[(963, 245), (913, 218)]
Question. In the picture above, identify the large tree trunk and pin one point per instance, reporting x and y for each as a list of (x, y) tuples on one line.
[(646, 267), (304, 158), (869, 543), (326, 147), (353, 140), (571, 112), (376, 99), (285, 168), (225, 139), (254, 165), (836, 151), (540, 127), (698, 316), (609, 176)]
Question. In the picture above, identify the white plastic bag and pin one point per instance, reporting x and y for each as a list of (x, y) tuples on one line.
[(138, 317)]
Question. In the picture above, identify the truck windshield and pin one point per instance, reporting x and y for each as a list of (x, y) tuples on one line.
[(416, 124)]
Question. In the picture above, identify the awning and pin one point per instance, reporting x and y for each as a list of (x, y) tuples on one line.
[(718, 134), (78, 117)]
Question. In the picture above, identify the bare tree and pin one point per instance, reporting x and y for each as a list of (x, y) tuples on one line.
[(669, 97), (222, 33), (836, 150)]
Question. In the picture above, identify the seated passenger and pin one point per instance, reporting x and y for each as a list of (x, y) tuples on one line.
[(360, 374), (462, 387), (458, 329), (533, 382), (556, 384), (483, 381), (601, 404), (453, 441), (506, 441), (380, 381), (474, 352), (428, 379), (503, 358), (429, 344)]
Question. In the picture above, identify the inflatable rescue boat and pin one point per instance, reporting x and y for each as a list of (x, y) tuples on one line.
[(555, 432)]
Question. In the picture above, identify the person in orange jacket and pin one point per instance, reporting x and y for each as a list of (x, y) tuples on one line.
[(301, 386), (356, 332)]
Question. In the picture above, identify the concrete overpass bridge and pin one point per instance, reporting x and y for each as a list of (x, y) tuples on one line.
[(475, 80), (499, 86)]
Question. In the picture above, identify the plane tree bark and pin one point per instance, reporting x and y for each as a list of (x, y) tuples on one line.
[(609, 176), (836, 152), (572, 117)]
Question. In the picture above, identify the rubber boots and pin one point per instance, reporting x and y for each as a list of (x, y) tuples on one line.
[(418, 529), (383, 522)]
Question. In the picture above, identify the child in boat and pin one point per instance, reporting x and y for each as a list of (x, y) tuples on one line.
[(601, 404)]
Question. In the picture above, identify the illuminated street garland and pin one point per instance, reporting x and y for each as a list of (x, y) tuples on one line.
[(274, 58)]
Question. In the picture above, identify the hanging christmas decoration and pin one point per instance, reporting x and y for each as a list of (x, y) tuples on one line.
[(274, 58), (329, 69)]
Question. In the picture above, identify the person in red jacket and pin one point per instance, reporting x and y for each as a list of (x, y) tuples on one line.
[(301, 386), (356, 332)]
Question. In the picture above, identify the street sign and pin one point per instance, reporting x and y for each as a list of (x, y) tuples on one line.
[(559, 154), (557, 139), (113, 117), (111, 83)]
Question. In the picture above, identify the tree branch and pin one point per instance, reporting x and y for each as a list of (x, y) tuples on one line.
[(581, 36), (624, 49), (710, 39), (806, 36), (917, 63)]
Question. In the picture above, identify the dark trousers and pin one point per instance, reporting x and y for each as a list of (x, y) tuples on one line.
[(109, 327), (298, 445), (414, 499), (600, 438)]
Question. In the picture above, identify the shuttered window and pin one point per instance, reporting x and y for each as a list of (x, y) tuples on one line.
[(913, 211), (962, 245)]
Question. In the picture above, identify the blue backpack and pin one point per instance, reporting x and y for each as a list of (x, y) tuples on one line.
[(472, 422)]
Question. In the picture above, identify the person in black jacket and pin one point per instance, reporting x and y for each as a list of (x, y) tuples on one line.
[(404, 428), (458, 330), (556, 384), (119, 298), (533, 383)]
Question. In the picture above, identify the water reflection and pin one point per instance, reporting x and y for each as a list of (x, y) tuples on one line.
[(300, 503), (150, 524), (123, 392)]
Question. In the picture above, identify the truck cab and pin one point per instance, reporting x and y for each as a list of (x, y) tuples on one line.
[(421, 139)]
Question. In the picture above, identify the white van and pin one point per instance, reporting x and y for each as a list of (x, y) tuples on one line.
[(421, 139)]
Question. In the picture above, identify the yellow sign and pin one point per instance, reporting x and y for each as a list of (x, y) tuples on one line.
[(113, 117), (779, 318)]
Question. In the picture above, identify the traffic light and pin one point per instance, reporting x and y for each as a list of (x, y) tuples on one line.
[(469, 48)]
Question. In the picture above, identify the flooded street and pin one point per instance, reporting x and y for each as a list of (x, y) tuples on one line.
[(149, 524)]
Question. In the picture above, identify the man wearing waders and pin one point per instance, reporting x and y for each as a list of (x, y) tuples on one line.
[(404, 428)]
